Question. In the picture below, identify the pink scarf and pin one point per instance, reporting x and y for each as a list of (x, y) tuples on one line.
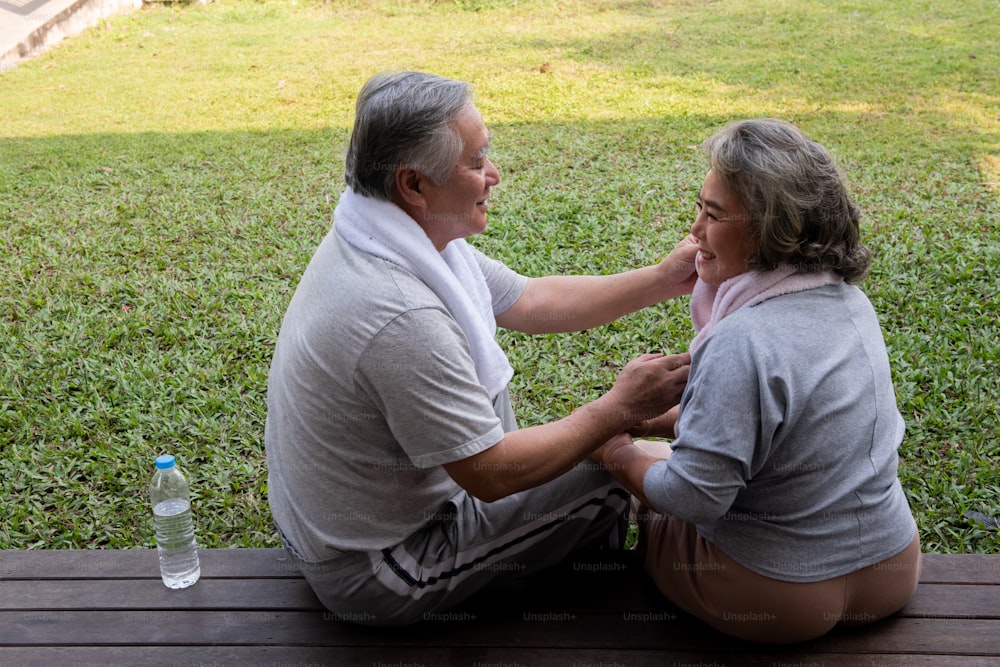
[(711, 304)]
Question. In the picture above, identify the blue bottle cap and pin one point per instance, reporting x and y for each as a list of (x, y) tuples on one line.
[(164, 462)]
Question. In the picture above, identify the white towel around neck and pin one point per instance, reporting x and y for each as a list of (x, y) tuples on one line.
[(384, 230)]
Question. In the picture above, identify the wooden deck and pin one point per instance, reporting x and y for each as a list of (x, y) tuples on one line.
[(250, 608)]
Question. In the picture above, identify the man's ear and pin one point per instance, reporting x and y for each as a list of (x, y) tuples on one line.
[(408, 182)]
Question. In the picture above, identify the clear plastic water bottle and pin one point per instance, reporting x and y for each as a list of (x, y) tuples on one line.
[(175, 545)]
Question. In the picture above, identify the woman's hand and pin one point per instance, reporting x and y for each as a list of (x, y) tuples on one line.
[(663, 426), (607, 450), (628, 461)]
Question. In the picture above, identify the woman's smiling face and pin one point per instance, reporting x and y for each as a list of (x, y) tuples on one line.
[(722, 228)]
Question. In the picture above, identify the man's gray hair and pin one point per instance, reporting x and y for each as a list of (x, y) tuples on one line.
[(404, 119), (799, 209)]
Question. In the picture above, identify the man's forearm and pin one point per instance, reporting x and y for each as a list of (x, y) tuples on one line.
[(559, 304), (528, 457)]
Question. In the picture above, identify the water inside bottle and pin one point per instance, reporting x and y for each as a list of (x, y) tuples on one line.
[(175, 544)]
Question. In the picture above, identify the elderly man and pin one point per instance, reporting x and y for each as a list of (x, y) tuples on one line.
[(398, 478)]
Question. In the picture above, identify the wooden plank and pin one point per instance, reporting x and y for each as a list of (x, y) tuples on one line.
[(112, 594), (219, 563), (954, 601), (606, 588), (914, 635), (265, 563), (960, 569), (590, 631), (559, 588), (139, 563), (172, 656), (930, 601), (271, 656), (610, 580), (296, 628)]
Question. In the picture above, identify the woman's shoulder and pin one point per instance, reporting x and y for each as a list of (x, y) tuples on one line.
[(816, 314)]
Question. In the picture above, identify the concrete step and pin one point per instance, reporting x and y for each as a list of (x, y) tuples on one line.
[(28, 27)]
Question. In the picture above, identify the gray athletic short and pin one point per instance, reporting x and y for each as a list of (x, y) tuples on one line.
[(467, 545)]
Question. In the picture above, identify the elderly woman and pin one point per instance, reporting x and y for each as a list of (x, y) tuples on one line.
[(777, 513)]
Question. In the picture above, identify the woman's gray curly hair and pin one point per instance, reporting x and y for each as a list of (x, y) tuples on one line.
[(799, 209)]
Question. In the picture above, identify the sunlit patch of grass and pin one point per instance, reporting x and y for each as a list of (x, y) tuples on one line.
[(989, 167)]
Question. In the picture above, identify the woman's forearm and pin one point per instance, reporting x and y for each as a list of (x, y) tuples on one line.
[(628, 464)]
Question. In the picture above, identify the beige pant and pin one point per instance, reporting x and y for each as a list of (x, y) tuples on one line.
[(703, 581)]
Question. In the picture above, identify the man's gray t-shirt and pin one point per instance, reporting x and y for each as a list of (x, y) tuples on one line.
[(372, 388), (786, 450)]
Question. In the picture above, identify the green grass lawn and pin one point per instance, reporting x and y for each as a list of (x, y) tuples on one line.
[(165, 177)]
